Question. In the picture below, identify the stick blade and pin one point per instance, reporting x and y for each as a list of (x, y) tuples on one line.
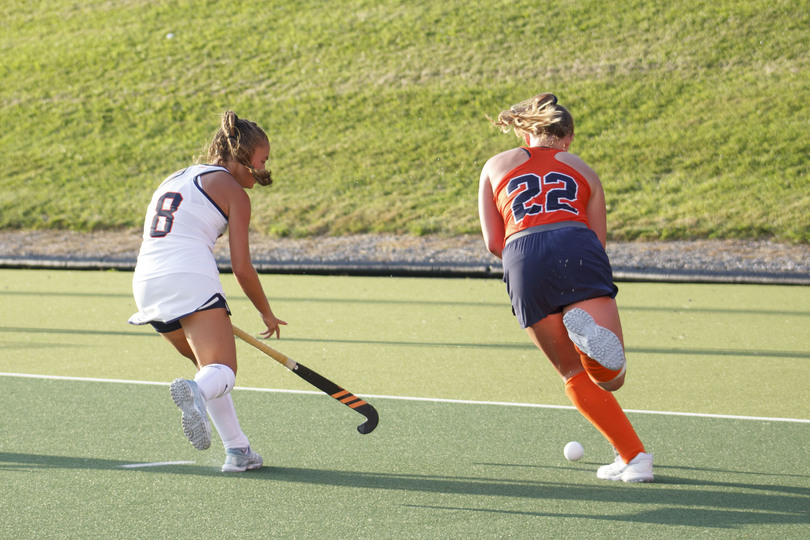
[(372, 418), (318, 381)]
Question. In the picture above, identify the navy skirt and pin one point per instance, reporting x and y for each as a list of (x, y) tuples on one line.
[(548, 270)]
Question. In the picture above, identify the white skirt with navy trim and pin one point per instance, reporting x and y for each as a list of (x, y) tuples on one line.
[(169, 298)]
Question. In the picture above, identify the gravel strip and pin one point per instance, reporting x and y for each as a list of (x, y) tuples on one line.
[(702, 260)]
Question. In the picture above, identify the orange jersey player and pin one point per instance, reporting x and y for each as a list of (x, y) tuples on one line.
[(542, 211)]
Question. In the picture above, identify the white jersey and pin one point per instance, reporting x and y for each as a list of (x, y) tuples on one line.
[(181, 227)]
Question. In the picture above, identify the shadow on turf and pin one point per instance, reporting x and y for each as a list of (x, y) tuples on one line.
[(659, 478), (677, 501), (673, 515), (9, 460), (466, 345), (23, 330)]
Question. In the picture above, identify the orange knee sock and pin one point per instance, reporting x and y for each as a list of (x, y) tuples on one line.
[(597, 371), (604, 412)]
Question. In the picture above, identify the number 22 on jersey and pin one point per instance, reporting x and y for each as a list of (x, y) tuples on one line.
[(554, 191)]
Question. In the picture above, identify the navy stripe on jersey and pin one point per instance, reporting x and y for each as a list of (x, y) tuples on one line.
[(198, 184)]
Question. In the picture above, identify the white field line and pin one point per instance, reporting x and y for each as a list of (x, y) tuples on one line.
[(155, 464), (431, 400)]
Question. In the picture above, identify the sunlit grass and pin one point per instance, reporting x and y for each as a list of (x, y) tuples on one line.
[(694, 114)]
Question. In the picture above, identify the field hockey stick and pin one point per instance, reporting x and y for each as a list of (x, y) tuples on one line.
[(318, 381)]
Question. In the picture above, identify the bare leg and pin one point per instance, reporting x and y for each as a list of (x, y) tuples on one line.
[(595, 404), (209, 335), (178, 340), (605, 314), (551, 337), (202, 331)]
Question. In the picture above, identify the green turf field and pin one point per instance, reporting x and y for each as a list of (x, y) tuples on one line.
[(472, 418)]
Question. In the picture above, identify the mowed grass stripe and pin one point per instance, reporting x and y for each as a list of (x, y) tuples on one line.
[(117, 106)]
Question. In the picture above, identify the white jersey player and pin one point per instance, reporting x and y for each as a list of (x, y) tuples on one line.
[(176, 281)]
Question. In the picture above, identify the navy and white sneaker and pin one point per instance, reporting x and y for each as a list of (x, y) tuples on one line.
[(186, 395), (241, 459)]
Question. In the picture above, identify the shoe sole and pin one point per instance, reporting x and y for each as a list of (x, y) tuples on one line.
[(628, 478), (597, 342), (638, 479), (195, 424), (632, 477)]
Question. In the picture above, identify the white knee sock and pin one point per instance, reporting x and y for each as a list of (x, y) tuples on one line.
[(223, 415), (215, 380)]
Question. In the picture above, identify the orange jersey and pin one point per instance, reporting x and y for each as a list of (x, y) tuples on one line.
[(541, 191)]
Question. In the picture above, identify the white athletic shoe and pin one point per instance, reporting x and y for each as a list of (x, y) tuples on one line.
[(241, 459), (638, 470), (188, 397), (596, 341)]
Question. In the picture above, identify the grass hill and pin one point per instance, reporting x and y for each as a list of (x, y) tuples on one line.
[(695, 114)]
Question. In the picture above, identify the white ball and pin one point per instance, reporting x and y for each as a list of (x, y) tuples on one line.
[(573, 451), (169, 35)]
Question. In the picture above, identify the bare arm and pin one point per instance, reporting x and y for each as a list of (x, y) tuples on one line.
[(243, 270), (597, 215), (491, 221)]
